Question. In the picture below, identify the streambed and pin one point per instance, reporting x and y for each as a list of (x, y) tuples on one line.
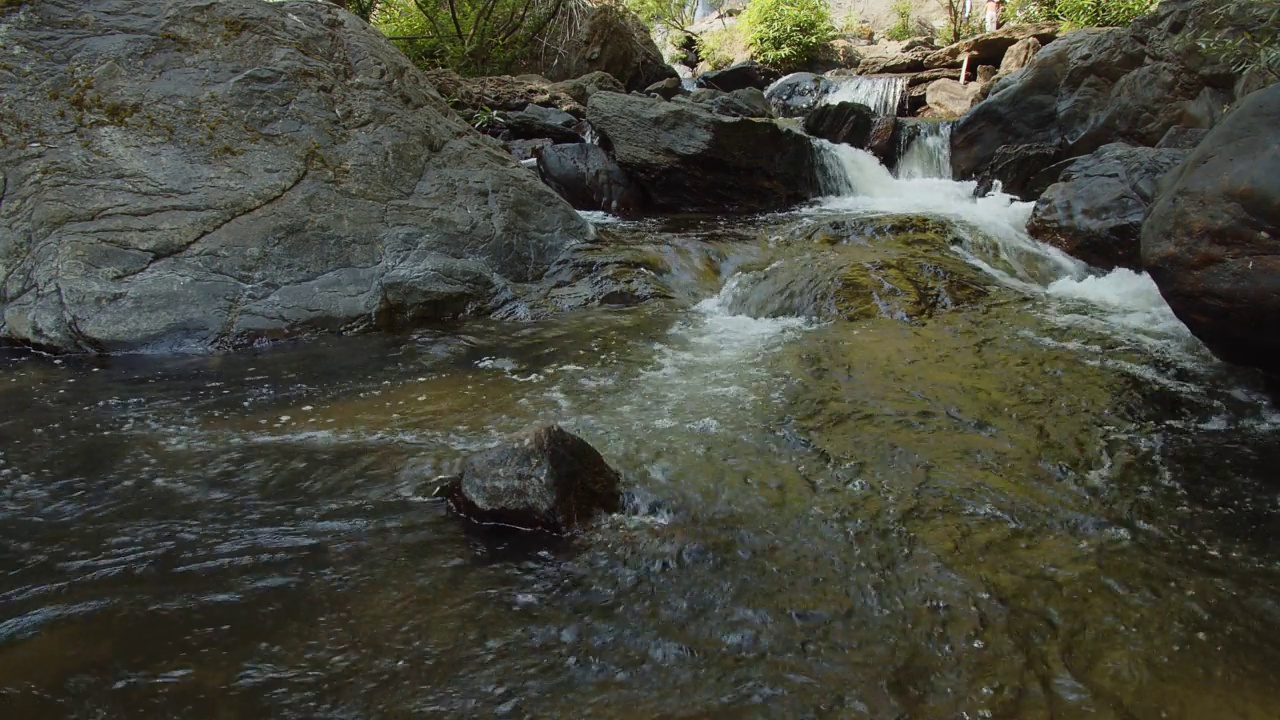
[(1047, 502)]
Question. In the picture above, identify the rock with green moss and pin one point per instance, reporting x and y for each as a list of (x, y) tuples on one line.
[(184, 173)]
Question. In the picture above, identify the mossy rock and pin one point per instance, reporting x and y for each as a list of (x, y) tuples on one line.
[(900, 267)]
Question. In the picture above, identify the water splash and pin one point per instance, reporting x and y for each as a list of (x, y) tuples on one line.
[(924, 151), (882, 93)]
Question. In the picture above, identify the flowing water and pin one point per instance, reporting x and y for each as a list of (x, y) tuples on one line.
[(1044, 500), (924, 151), (882, 93)]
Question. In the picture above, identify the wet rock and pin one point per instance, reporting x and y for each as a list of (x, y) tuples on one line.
[(797, 94), (613, 40), (1024, 171), (949, 99), (581, 89), (747, 103), (1095, 210), (883, 140), (990, 48), (1212, 238), (1019, 55), (897, 266), (589, 179), (739, 76), (1099, 86), (548, 479), (688, 158), (847, 122), (261, 170), (667, 89)]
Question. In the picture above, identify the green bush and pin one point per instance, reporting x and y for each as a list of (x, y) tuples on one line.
[(721, 47), (1246, 36), (787, 33), (904, 26), (1078, 13), (472, 37)]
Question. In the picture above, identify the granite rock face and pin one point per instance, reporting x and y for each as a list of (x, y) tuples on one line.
[(200, 174)]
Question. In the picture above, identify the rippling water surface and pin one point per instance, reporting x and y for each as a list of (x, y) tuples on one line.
[(1049, 504)]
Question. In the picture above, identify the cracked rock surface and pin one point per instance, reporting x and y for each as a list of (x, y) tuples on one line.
[(205, 173)]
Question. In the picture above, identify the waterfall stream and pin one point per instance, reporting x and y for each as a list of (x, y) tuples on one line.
[(882, 93), (925, 151)]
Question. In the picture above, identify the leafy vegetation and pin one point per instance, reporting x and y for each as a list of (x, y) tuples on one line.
[(787, 33), (722, 47), (472, 37), (1079, 13), (672, 14), (903, 25), (958, 25), (1246, 36)]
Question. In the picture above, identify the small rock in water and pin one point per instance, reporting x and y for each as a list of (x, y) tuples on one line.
[(548, 479)]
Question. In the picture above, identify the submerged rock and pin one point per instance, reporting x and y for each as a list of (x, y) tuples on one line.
[(1212, 238), (1095, 210), (898, 266), (548, 479), (589, 179), (689, 158), (203, 174)]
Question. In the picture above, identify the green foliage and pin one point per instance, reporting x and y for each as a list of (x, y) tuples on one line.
[(672, 14), (472, 37), (722, 47), (1246, 36), (1078, 13), (904, 25), (363, 9), (787, 33), (958, 26), (485, 118)]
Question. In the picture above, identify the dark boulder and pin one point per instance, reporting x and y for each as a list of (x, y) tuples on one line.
[(847, 122), (667, 89), (589, 179), (548, 479), (523, 150), (882, 141), (748, 74), (1024, 171), (689, 159), (1182, 138), (195, 174), (615, 41), (1094, 87), (530, 126), (550, 115), (1211, 240), (1095, 210), (747, 103), (797, 94)]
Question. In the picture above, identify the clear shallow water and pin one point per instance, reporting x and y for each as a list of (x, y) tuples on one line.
[(1052, 503)]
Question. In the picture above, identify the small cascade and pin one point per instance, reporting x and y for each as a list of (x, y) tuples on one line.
[(924, 151), (882, 93), (844, 171)]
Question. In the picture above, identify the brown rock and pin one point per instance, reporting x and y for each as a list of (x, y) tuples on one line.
[(1019, 55), (949, 98), (613, 40), (989, 48)]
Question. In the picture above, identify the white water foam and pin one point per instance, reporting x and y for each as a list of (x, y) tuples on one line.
[(1128, 298), (926, 154)]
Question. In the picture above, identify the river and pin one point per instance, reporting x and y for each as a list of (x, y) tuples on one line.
[(1041, 498)]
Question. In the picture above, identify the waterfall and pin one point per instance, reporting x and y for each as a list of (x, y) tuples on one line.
[(924, 151), (882, 93), (843, 170)]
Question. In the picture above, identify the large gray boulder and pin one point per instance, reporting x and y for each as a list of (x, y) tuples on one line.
[(615, 41), (548, 479), (797, 94), (589, 179), (189, 173), (1095, 87), (1212, 238), (687, 158), (1095, 210)]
